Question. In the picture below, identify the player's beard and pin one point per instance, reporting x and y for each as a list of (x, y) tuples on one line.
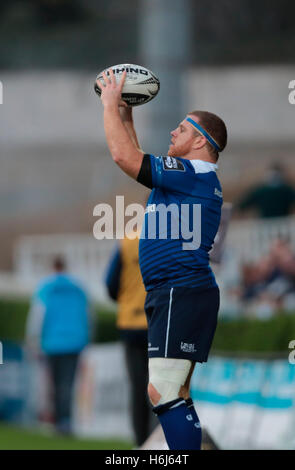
[(178, 151)]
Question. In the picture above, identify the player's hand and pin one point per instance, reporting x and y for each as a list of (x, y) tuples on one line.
[(111, 91)]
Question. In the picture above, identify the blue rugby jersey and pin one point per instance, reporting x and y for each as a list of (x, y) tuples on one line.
[(189, 185)]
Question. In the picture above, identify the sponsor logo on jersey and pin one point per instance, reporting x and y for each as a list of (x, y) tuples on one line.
[(171, 163)]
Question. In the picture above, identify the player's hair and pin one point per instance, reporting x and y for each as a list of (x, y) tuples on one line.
[(215, 127)]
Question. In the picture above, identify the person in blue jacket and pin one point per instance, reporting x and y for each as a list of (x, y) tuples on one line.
[(59, 323)]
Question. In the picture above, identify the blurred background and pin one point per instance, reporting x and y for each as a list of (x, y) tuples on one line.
[(233, 58)]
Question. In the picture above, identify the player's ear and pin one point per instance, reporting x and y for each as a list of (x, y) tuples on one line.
[(199, 142)]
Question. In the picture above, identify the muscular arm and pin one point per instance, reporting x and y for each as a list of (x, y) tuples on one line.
[(121, 137), (127, 119), (122, 147)]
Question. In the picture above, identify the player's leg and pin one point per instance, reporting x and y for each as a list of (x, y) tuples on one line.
[(185, 393), (167, 379), (185, 388), (181, 323)]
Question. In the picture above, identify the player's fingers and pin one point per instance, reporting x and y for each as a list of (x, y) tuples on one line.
[(112, 77), (99, 84), (122, 81), (106, 79)]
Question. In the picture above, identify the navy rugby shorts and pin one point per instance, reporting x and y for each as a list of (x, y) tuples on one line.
[(181, 322)]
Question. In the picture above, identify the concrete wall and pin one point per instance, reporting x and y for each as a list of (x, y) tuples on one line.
[(252, 100)]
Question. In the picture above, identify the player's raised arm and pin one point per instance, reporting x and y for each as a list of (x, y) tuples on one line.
[(127, 118), (121, 143)]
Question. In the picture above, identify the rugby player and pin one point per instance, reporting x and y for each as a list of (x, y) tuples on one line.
[(182, 300)]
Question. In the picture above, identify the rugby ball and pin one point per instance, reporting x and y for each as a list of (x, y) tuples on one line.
[(140, 85)]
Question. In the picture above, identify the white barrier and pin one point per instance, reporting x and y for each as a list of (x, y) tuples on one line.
[(251, 238), (85, 256), (247, 404)]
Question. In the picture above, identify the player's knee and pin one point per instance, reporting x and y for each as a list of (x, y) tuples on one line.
[(163, 392), (167, 377)]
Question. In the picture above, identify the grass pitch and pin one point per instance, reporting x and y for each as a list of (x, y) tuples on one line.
[(17, 438)]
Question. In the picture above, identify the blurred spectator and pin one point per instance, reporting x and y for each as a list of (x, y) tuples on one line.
[(124, 284), (268, 285), (273, 198), (59, 323)]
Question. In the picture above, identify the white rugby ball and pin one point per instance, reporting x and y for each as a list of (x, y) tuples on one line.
[(140, 85)]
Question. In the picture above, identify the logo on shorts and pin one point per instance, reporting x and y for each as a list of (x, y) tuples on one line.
[(151, 348), (188, 348)]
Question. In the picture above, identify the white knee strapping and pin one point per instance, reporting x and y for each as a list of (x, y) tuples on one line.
[(167, 376)]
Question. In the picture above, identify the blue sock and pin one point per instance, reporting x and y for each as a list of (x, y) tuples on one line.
[(178, 425), (190, 405)]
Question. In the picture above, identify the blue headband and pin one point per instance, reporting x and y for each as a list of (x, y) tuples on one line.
[(204, 133)]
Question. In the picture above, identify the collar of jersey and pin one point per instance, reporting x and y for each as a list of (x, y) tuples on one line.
[(200, 166)]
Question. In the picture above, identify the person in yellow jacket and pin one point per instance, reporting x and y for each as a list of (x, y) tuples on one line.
[(124, 284)]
